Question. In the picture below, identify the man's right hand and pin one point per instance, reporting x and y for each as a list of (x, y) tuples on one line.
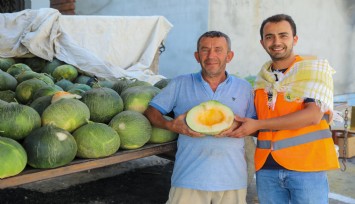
[(179, 125)]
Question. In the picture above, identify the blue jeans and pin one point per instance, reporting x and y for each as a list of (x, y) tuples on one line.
[(284, 187)]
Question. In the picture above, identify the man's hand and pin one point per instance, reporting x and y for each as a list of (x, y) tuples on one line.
[(179, 125), (248, 127), (241, 127), (229, 132)]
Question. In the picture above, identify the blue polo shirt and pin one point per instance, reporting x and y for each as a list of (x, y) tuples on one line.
[(207, 163)]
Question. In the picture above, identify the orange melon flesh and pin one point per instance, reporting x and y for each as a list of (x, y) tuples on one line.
[(210, 117), (63, 94)]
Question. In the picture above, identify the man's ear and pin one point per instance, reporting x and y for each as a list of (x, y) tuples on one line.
[(295, 40), (262, 43), (197, 57), (230, 56)]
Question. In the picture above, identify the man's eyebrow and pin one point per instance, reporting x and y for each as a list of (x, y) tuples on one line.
[(283, 33), (269, 34)]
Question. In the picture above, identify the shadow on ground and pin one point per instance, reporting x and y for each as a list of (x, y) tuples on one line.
[(148, 185)]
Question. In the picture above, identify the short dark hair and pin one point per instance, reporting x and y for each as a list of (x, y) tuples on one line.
[(212, 34), (277, 18)]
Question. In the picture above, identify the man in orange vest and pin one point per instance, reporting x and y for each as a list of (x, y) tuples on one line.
[(293, 100)]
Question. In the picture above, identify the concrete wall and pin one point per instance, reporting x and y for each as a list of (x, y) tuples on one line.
[(36, 4), (349, 73), (325, 29)]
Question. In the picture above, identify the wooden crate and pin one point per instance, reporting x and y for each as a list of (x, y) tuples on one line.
[(338, 137)]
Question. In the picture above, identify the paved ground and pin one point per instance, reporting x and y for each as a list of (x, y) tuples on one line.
[(342, 183), (144, 181)]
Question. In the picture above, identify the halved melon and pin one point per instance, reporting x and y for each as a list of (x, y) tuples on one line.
[(210, 117)]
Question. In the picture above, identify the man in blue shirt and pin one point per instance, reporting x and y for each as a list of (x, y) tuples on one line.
[(208, 169)]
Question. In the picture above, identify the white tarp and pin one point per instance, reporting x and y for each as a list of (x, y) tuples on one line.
[(105, 46)]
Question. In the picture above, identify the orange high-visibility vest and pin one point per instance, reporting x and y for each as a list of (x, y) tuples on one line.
[(306, 149)]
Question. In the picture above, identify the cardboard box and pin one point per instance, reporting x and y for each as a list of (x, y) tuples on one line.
[(350, 145)]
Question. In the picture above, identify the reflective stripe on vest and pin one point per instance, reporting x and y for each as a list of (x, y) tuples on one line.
[(325, 117), (294, 141)]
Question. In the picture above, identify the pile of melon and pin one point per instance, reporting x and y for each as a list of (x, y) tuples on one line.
[(52, 113)]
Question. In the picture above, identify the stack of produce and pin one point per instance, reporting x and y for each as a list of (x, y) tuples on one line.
[(52, 113)]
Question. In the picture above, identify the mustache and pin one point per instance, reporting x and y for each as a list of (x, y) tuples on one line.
[(211, 61)]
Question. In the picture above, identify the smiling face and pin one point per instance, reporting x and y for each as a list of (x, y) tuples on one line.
[(278, 40), (213, 55)]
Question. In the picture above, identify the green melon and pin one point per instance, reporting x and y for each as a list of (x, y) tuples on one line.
[(41, 103), (76, 91), (104, 103), (160, 135), (83, 87), (46, 91), (18, 68), (46, 78), (3, 103), (50, 66), (102, 83), (7, 81), (162, 83), (68, 114), (135, 82), (49, 147), (210, 117), (96, 140), (13, 158), (26, 89), (35, 63), (5, 63), (28, 74), (119, 85), (65, 71), (137, 98), (31, 74), (17, 121), (8, 96), (82, 79), (64, 84), (133, 128), (58, 87)]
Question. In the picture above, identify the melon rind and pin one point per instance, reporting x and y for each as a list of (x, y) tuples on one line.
[(96, 140), (133, 128), (13, 157), (66, 113)]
